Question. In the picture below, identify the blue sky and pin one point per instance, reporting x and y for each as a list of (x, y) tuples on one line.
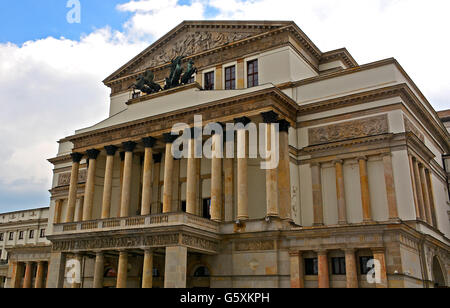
[(24, 20), (51, 70)]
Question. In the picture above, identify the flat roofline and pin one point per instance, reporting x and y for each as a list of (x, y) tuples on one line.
[(23, 211)]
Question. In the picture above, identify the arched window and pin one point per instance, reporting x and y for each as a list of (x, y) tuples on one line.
[(202, 271)]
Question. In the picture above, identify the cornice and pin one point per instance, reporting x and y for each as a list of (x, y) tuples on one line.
[(60, 159), (339, 54), (401, 90), (346, 143), (289, 112)]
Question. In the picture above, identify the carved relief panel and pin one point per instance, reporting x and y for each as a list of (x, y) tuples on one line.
[(348, 130)]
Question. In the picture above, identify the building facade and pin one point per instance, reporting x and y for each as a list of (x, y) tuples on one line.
[(360, 179), (24, 248)]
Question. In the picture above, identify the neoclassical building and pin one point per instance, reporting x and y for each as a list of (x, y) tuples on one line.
[(24, 248), (361, 173)]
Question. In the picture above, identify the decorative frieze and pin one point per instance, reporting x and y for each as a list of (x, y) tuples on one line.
[(348, 130), (197, 242), (189, 44), (64, 178), (135, 242), (255, 245)]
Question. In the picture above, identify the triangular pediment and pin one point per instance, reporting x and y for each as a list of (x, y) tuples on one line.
[(193, 37)]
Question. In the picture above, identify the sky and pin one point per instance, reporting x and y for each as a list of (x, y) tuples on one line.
[(51, 69)]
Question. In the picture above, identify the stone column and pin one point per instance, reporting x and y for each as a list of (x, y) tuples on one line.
[(284, 172), (431, 197), (340, 192), (98, 270), (191, 185), (122, 272), (149, 143), (176, 193), (176, 267), (218, 78), (350, 267), (90, 185), (79, 209), (58, 208), (379, 255), (324, 276), (168, 173), (272, 206), (76, 158), (242, 170), (147, 273), (297, 273), (365, 194), (240, 72), (317, 193), (122, 167), (56, 270), (426, 195), (39, 281), (228, 166), (199, 187), (216, 178), (390, 186), (126, 187), (107, 187), (77, 285), (419, 189), (28, 273), (156, 195), (16, 270), (414, 188)]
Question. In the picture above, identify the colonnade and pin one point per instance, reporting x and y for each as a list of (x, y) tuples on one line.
[(222, 172), (423, 191), (25, 270), (364, 186)]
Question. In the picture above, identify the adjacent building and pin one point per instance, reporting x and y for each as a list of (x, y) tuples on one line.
[(360, 180), (24, 246)]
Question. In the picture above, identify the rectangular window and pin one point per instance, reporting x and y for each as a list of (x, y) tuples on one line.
[(11, 236), (311, 267), (21, 235), (230, 78), (207, 208), (183, 206), (338, 266), (209, 81), (252, 73), (363, 265), (31, 235), (42, 234), (1, 237)]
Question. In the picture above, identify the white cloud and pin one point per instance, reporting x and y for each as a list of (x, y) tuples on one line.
[(155, 18), (51, 87)]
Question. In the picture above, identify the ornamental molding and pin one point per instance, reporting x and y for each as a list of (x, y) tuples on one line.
[(250, 103), (64, 178), (364, 127), (254, 245), (135, 242)]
